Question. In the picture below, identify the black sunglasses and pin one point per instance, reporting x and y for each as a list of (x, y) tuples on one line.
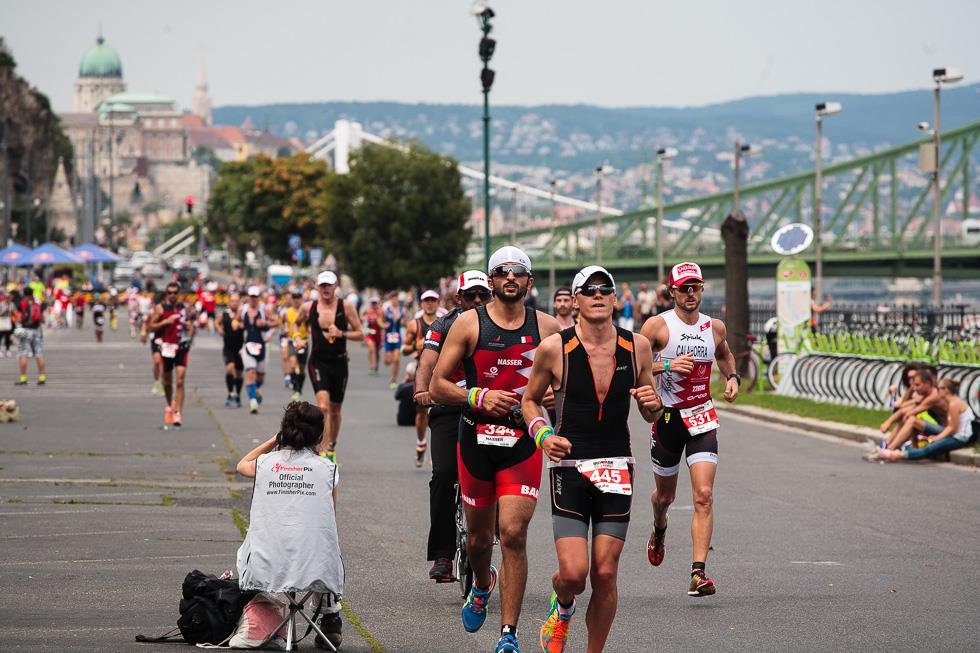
[(603, 289), (516, 268), (689, 287), (470, 295)]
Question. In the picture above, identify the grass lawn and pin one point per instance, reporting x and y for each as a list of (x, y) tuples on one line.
[(807, 407)]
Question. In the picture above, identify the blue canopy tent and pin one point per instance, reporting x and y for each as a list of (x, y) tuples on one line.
[(91, 253), (49, 254), (15, 255)]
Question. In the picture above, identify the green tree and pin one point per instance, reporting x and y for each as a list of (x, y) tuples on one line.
[(398, 218), (229, 206)]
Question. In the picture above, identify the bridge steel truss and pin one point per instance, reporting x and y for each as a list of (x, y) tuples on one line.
[(874, 223)]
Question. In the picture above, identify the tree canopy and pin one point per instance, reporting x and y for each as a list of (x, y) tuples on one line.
[(398, 218)]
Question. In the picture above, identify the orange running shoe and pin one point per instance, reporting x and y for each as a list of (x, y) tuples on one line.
[(554, 632)]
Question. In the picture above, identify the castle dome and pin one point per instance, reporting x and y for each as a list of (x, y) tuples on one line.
[(100, 61)]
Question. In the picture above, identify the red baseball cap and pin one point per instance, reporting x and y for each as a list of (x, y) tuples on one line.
[(685, 272)]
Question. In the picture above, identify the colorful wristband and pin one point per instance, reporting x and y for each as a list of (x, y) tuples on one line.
[(542, 433), (530, 427), (667, 365), (479, 399), (471, 396)]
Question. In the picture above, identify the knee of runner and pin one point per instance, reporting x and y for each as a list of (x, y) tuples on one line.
[(335, 409), (703, 498), (513, 536), (479, 542), (662, 499), (604, 575)]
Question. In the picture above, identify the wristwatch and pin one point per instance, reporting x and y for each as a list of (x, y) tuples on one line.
[(738, 379)]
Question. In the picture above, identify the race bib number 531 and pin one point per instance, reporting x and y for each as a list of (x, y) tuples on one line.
[(610, 475), (497, 435), (700, 419)]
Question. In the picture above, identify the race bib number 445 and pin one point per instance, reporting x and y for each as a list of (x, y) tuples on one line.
[(610, 475), (497, 435), (700, 419)]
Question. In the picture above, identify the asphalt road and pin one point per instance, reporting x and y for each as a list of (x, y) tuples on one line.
[(102, 514)]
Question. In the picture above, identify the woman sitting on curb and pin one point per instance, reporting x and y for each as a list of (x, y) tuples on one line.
[(958, 433)]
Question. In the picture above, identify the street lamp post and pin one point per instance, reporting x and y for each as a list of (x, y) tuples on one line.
[(604, 169), (821, 109), (112, 175), (483, 14), (551, 250), (940, 76), (740, 149), (663, 154)]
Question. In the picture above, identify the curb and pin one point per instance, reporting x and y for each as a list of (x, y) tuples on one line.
[(965, 456)]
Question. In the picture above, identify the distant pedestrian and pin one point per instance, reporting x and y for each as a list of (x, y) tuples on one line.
[(30, 320), (6, 324)]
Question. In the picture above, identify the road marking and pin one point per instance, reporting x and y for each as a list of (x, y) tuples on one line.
[(824, 563)]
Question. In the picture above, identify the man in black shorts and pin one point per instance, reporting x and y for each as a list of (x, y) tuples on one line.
[(499, 466), (474, 290), (332, 323), (594, 368), (232, 332)]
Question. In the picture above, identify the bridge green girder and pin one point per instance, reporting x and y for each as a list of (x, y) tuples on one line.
[(860, 191)]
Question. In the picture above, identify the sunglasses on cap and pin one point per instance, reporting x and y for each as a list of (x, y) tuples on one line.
[(689, 288), (603, 289), (516, 269), (473, 293)]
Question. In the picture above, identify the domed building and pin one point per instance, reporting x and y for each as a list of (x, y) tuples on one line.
[(100, 76)]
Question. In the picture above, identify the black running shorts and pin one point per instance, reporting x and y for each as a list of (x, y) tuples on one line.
[(575, 502), (330, 376), (670, 439)]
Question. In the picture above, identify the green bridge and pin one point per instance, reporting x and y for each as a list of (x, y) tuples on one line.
[(877, 221)]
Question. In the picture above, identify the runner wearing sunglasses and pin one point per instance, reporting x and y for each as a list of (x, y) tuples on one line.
[(685, 344), (499, 466), (595, 368), (474, 290)]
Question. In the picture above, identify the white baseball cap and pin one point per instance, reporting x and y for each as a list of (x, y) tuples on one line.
[(328, 277), (583, 276), (684, 272), (509, 254), (254, 291), (430, 294), (473, 279)]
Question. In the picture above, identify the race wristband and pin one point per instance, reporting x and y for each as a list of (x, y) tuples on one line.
[(479, 400), (471, 396), (530, 427), (542, 433), (667, 365)]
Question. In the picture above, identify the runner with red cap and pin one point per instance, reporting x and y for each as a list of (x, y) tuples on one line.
[(685, 345), (473, 289), (499, 466), (414, 343)]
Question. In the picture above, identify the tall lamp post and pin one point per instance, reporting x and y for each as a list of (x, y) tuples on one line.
[(663, 154), (940, 76), (483, 14), (740, 150), (821, 109), (600, 171), (553, 184)]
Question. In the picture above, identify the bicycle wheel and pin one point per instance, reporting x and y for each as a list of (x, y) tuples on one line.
[(777, 369), (461, 562)]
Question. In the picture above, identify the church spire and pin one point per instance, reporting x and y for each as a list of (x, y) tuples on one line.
[(201, 102)]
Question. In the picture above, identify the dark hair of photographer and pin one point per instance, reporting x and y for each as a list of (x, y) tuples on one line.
[(302, 426)]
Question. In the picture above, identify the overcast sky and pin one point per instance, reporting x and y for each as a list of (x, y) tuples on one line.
[(608, 52)]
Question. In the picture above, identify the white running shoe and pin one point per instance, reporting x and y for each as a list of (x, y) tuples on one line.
[(253, 406)]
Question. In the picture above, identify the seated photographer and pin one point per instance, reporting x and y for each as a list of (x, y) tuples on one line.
[(958, 433), (292, 542), (404, 395)]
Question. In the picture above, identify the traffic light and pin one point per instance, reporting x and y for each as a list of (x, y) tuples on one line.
[(189, 204)]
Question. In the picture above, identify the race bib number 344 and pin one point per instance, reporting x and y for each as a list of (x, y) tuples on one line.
[(610, 475), (497, 435), (700, 419)]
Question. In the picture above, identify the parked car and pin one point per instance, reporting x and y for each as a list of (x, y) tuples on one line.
[(122, 273)]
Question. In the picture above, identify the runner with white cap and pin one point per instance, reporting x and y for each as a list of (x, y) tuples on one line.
[(333, 322), (685, 345), (414, 343), (594, 369), (500, 468), (473, 289)]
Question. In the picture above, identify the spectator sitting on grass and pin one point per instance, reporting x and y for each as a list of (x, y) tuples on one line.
[(900, 394), (404, 396), (927, 414), (959, 431)]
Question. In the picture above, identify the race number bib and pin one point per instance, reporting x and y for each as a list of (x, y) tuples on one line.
[(254, 349), (393, 338), (6, 324), (609, 475), (168, 349), (497, 435), (700, 419)]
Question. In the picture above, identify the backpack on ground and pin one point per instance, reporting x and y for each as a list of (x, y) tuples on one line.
[(209, 610)]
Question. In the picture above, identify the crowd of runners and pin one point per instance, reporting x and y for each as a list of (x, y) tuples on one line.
[(502, 391)]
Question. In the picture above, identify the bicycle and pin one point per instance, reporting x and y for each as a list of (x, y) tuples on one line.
[(747, 364), (462, 570)]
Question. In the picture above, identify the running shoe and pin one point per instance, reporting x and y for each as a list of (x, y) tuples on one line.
[(42, 379), (420, 453), (287, 381), (258, 397), (507, 644), (655, 546), (296, 396), (230, 401), (178, 419), (157, 389), (21, 381), (474, 611), (168, 417), (392, 385), (442, 571), (238, 401), (331, 626), (253, 406), (554, 632), (700, 584), (331, 456)]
